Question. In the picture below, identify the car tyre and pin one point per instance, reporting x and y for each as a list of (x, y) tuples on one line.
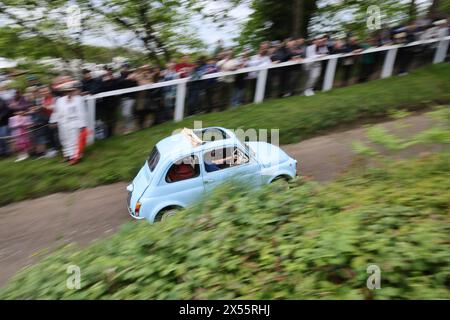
[(166, 214), (281, 183)]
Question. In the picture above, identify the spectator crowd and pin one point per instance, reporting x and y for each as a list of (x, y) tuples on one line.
[(43, 119)]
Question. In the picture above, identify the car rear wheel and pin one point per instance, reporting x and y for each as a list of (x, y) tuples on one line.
[(166, 214)]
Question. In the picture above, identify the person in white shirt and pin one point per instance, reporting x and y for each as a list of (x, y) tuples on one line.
[(228, 63), (262, 59), (313, 68), (70, 116)]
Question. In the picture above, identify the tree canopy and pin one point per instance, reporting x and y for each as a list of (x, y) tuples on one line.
[(278, 20), (161, 29)]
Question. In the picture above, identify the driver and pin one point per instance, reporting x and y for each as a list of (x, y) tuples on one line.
[(213, 164)]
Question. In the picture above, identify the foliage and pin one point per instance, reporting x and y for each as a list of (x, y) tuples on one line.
[(379, 135), (39, 47), (274, 20), (331, 17), (399, 114), (308, 242), (158, 28), (161, 27), (352, 15), (40, 18), (119, 158), (444, 6), (438, 9)]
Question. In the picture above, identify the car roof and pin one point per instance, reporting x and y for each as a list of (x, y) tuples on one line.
[(179, 144)]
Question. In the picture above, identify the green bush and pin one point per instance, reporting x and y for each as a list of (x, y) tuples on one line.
[(309, 242), (297, 118)]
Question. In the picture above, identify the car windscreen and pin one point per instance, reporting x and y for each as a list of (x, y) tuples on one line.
[(153, 159)]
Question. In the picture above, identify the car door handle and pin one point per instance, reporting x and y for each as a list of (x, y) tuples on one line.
[(209, 181)]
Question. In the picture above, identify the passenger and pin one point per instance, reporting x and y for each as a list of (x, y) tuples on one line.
[(180, 172)]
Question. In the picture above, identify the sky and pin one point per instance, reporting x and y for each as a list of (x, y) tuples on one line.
[(210, 33)]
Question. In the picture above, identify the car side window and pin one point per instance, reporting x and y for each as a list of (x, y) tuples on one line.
[(184, 169), (223, 158)]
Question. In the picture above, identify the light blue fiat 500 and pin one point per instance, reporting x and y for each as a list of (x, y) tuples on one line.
[(185, 166)]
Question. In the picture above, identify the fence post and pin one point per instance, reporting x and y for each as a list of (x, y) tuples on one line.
[(179, 103), (329, 74), (388, 65), (91, 119), (441, 51), (261, 85)]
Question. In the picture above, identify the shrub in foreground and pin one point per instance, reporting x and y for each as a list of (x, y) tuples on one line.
[(309, 242)]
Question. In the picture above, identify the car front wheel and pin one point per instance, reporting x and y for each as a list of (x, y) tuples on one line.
[(281, 183)]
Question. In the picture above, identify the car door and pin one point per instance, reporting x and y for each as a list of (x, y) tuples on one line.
[(181, 186), (247, 171)]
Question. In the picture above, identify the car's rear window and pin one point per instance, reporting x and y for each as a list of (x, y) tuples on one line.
[(153, 159)]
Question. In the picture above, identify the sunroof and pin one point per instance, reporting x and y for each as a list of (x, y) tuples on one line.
[(211, 134)]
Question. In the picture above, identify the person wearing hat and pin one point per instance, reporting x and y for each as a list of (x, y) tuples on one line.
[(69, 115)]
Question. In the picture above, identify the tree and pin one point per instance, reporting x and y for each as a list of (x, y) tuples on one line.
[(412, 10), (162, 27), (297, 18), (37, 47), (158, 27), (40, 19), (434, 8), (277, 20), (353, 16), (439, 9)]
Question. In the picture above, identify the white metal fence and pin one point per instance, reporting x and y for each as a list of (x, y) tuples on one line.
[(440, 54)]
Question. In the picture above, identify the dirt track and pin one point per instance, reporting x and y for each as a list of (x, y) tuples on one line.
[(30, 229)]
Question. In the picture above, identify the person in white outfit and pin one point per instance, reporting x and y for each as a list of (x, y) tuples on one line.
[(70, 116), (313, 68)]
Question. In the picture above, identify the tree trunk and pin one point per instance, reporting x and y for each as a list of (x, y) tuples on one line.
[(297, 19), (412, 10), (309, 7), (434, 8)]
